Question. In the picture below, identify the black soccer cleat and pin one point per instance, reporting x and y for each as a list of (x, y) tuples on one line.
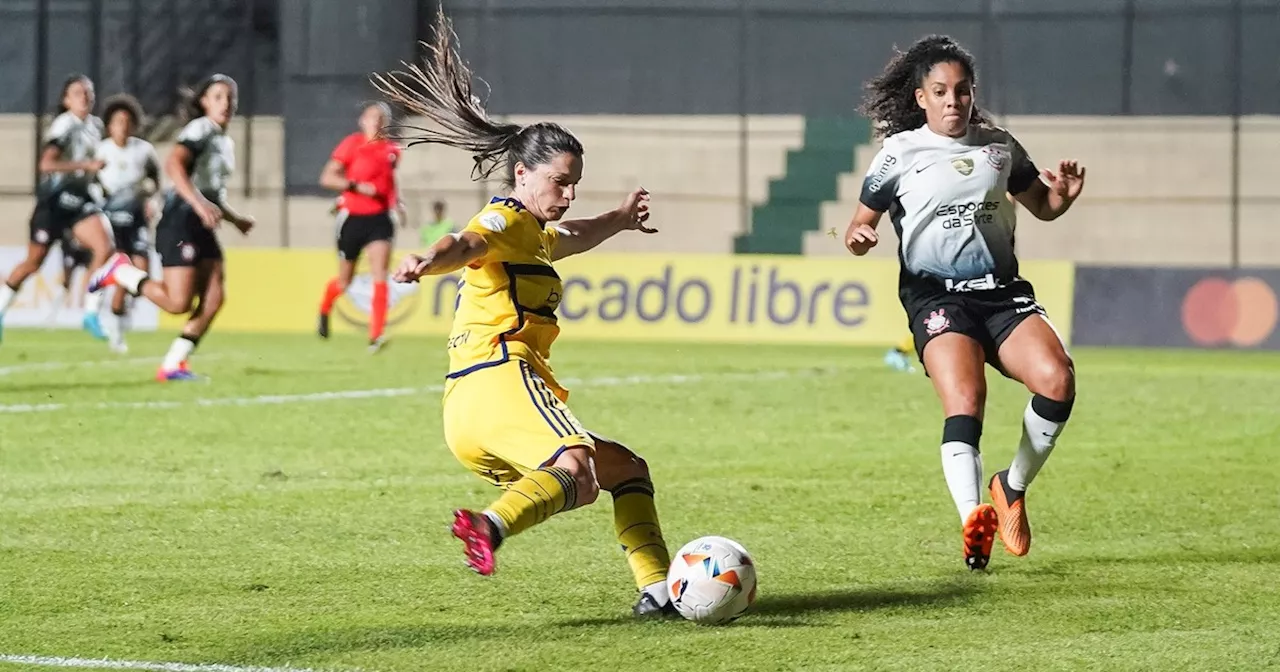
[(322, 327), (648, 607)]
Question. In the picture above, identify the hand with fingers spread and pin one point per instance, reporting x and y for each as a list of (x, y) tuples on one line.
[(860, 238), (634, 211), (1067, 182)]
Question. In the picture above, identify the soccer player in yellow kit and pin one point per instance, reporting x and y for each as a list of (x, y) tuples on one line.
[(505, 416)]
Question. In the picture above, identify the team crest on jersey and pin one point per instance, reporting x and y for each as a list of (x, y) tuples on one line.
[(937, 322), (964, 166), (997, 156)]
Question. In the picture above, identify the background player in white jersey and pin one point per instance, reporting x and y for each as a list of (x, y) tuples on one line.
[(199, 166), (129, 176), (63, 199), (942, 176)]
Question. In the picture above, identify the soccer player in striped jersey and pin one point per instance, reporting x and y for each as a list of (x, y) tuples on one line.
[(130, 175), (505, 413), (64, 200), (362, 169), (199, 166), (942, 175)]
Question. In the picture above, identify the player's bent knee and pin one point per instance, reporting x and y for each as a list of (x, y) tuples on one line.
[(577, 461), (1055, 378), (615, 463), (965, 400)]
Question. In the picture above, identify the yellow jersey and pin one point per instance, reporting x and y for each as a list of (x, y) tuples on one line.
[(507, 299)]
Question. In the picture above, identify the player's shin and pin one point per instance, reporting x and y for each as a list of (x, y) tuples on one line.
[(1042, 423), (542, 493), (7, 295), (332, 291), (962, 461), (635, 519), (378, 311)]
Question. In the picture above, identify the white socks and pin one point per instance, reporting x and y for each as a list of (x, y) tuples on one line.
[(130, 277), (1042, 422), (962, 463), (178, 353), (658, 591), (93, 302), (7, 295)]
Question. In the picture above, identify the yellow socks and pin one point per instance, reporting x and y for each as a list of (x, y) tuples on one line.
[(542, 493), (636, 520)]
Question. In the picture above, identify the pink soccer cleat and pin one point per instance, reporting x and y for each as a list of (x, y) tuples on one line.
[(476, 533), (106, 276)]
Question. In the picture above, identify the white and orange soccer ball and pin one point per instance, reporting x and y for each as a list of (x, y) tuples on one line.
[(712, 580)]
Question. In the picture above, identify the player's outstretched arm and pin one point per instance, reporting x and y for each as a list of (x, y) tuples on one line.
[(579, 235), (446, 256), (1052, 195)]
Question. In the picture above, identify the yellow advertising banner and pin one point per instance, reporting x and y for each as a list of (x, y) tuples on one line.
[(682, 297)]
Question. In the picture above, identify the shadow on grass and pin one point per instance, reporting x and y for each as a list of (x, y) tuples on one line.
[(1171, 558), (771, 611), (50, 388), (788, 610)]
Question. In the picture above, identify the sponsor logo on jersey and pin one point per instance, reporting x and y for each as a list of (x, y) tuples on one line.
[(986, 282), (964, 166), (494, 221), (959, 215), (882, 173)]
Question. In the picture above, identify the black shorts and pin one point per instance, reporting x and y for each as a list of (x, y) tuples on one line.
[(357, 231), (182, 239), (130, 227), (986, 316), (58, 212), (73, 256)]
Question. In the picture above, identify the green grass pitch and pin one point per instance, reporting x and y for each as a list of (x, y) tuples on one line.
[(251, 521)]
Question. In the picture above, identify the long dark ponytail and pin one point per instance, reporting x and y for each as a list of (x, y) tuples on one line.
[(440, 89)]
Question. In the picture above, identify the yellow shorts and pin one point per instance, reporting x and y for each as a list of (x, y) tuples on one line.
[(504, 421)]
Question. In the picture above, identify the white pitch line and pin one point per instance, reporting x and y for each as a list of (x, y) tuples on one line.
[(60, 366), (108, 664), (268, 399)]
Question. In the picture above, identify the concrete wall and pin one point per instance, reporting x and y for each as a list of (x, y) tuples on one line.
[(1157, 190)]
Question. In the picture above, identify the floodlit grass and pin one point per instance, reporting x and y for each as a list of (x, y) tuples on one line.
[(311, 532)]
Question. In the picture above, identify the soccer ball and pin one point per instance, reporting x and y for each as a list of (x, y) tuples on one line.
[(712, 580)]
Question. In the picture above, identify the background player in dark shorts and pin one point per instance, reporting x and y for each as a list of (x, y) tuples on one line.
[(199, 166), (63, 199), (129, 177), (942, 175), (362, 168), (73, 257)]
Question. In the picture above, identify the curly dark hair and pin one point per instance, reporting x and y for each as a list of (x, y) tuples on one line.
[(439, 89), (123, 102), (890, 102)]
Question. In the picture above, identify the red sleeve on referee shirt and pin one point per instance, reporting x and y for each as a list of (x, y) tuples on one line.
[(345, 151)]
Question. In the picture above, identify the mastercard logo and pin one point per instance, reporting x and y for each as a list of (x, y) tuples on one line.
[(1242, 312)]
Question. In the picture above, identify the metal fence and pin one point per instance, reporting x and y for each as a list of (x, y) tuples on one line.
[(731, 58)]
